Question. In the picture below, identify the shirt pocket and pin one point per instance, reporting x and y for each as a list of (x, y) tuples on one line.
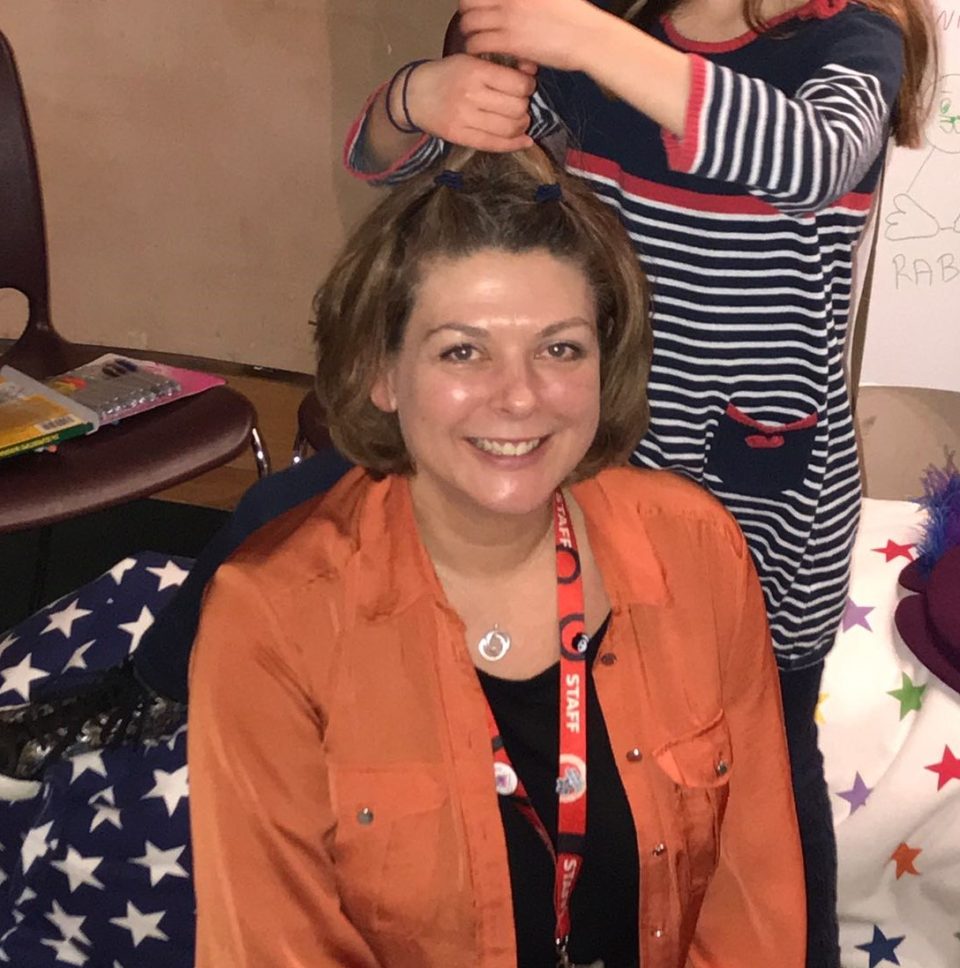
[(387, 846), (759, 459), (700, 764)]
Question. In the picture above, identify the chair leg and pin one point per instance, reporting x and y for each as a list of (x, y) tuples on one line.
[(300, 447), (260, 453)]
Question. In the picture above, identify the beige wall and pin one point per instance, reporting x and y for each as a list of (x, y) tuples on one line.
[(190, 158)]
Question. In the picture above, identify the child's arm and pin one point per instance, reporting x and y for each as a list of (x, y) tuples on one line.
[(458, 99), (798, 153)]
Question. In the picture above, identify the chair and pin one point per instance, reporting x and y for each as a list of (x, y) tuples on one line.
[(139, 456), (312, 433)]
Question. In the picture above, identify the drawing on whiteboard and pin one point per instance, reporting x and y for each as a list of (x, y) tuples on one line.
[(931, 202)]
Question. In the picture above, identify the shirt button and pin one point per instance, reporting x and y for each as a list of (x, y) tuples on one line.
[(660, 849), (658, 932), (608, 659), (635, 755), (722, 768), (365, 816)]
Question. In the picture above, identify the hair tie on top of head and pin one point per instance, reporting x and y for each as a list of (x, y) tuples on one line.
[(548, 193), (450, 179)]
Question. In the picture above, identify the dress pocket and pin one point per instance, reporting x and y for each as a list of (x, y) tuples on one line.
[(760, 459), (387, 846), (700, 765)]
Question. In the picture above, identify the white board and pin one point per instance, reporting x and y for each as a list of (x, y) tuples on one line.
[(913, 324)]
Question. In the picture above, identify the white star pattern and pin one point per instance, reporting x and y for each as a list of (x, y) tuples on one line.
[(137, 628), (119, 857), (7, 642), (79, 869), (121, 568), (66, 950), (141, 925), (170, 575), (77, 661), (68, 925), (106, 809), (35, 846), (173, 739), (92, 761), (63, 620), (171, 787), (19, 677), (161, 863)]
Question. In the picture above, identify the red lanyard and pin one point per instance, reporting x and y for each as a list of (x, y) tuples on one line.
[(572, 768)]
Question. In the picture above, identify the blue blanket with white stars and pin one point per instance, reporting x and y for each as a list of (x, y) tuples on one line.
[(95, 864)]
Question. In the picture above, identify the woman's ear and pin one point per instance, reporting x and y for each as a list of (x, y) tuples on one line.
[(382, 392)]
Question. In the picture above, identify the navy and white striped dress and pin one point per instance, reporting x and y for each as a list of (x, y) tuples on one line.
[(746, 227)]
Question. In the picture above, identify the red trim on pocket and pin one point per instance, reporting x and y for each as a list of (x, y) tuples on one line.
[(770, 429), (760, 442)]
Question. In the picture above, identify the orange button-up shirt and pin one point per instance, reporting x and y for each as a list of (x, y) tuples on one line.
[(342, 797)]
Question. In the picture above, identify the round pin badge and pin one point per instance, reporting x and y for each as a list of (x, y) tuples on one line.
[(505, 779)]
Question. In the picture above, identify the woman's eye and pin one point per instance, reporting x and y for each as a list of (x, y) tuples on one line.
[(564, 351), (461, 353)]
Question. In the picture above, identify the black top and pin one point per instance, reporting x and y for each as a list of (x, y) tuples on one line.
[(605, 905)]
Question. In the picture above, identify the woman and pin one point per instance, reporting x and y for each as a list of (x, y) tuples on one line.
[(741, 143), (491, 700)]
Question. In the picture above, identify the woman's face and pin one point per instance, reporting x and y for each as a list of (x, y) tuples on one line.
[(497, 381)]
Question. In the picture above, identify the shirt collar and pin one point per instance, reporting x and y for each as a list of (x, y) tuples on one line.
[(393, 570)]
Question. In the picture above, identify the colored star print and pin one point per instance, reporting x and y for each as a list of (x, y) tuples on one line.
[(947, 769), (854, 614), (909, 695), (857, 795), (892, 551), (882, 948), (904, 856), (818, 712)]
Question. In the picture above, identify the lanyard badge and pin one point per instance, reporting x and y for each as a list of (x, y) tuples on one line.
[(572, 766)]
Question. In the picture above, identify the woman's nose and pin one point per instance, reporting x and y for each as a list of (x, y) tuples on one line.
[(516, 391)]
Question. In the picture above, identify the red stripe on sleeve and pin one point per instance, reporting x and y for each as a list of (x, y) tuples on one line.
[(681, 152)]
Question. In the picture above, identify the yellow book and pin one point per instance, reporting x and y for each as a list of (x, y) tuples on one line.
[(33, 416)]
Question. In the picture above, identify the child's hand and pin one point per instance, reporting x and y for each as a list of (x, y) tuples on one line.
[(472, 102), (548, 32)]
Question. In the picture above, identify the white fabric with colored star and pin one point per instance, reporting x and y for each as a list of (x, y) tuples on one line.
[(890, 735)]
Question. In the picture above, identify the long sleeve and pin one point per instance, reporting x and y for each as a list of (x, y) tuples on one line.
[(260, 808), (798, 153), (357, 160), (754, 910), (428, 150)]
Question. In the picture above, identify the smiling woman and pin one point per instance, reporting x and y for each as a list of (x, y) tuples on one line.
[(486, 695)]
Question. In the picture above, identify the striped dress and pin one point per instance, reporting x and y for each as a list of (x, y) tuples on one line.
[(746, 226)]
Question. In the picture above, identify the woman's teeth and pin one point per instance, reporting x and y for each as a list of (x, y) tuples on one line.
[(507, 448)]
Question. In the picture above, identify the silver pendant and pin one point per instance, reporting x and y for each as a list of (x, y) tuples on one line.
[(494, 645)]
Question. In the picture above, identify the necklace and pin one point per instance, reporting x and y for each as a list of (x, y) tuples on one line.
[(495, 644)]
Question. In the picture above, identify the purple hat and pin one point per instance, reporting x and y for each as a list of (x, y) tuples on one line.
[(929, 621)]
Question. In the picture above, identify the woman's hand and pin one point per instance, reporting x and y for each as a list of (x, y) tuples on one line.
[(471, 102), (549, 32)]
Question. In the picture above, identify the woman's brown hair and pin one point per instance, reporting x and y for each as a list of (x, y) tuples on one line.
[(920, 52), (482, 201)]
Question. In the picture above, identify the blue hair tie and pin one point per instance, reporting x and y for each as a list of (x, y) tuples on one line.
[(450, 179), (548, 193)]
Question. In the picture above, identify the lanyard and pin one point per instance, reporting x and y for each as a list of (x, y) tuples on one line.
[(572, 767)]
